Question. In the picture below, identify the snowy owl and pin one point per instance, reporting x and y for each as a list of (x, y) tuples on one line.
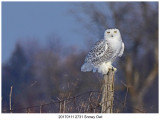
[(104, 52)]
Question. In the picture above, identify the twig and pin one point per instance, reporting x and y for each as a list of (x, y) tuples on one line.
[(75, 103), (40, 108), (64, 105), (125, 98), (10, 98)]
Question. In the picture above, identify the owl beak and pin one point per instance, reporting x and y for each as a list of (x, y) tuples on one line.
[(111, 35)]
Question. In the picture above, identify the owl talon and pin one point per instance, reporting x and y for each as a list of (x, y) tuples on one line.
[(114, 69), (108, 73)]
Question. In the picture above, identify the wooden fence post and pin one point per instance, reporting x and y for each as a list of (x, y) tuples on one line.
[(108, 93)]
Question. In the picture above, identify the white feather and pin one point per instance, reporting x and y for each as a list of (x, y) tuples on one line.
[(103, 69), (122, 50), (86, 67)]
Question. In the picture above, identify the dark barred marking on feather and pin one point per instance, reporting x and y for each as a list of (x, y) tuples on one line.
[(98, 55)]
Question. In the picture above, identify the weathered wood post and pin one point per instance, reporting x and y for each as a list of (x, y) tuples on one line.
[(108, 93)]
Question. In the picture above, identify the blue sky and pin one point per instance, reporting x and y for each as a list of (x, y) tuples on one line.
[(39, 20)]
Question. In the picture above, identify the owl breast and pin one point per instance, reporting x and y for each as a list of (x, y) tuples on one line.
[(115, 44)]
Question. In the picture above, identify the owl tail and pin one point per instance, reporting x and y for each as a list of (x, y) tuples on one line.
[(86, 67)]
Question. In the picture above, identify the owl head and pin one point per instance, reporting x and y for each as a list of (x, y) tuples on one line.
[(112, 34)]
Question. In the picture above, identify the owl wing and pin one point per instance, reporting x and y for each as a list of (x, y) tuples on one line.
[(97, 51), (122, 50)]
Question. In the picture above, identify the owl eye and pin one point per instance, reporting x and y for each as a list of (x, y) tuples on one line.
[(115, 31), (108, 32)]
